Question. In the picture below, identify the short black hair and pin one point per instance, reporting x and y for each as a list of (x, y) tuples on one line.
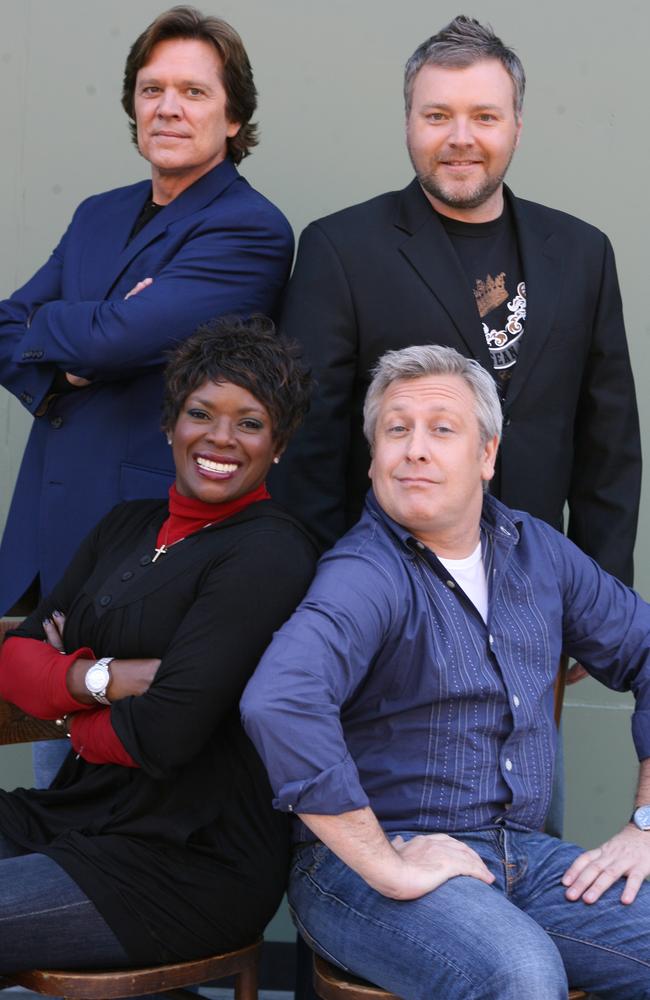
[(249, 353)]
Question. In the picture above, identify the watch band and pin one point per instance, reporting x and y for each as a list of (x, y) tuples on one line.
[(98, 677)]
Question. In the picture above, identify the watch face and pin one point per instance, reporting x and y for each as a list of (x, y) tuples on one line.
[(642, 817), (97, 679)]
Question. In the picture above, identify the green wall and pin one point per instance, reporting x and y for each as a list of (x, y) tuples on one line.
[(329, 77)]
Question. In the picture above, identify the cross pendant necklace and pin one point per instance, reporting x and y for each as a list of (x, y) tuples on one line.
[(164, 547)]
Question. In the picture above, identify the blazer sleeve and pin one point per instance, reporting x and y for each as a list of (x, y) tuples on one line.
[(319, 313), (237, 266), (30, 384), (606, 478), (239, 603)]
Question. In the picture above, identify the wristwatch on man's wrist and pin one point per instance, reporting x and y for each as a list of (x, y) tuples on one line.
[(641, 817), (97, 679)]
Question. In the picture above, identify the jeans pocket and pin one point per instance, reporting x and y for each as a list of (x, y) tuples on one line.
[(310, 857)]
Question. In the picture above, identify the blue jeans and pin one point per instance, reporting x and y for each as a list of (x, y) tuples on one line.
[(467, 940), (47, 757), (45, 919)]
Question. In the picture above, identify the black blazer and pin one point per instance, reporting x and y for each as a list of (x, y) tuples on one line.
[(384, 275)]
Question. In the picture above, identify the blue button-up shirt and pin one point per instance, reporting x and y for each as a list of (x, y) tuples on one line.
[(386, 687)]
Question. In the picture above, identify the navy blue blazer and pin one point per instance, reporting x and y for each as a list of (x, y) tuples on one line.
[(219, 248)]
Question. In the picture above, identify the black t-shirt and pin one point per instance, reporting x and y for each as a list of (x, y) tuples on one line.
[(149, 211), (489, 255)]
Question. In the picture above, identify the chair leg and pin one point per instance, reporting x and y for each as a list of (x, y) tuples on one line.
[(246, 982)]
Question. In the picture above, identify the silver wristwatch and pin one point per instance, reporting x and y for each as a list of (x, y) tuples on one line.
[(641, 817), (98, 677)]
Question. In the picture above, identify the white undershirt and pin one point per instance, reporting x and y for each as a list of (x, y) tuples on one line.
[(470, 574)]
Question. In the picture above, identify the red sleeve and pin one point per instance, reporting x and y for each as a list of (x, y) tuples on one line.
[(93, 738), (33, 676)]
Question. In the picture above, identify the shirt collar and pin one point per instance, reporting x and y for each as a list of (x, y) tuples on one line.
[(497, 520)]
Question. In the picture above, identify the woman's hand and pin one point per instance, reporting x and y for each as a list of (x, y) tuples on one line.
[(53, 628)]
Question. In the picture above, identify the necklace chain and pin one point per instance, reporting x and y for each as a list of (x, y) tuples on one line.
[(161, 549)]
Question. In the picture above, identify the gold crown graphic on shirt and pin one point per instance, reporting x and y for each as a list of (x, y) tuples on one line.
[(490, 293)]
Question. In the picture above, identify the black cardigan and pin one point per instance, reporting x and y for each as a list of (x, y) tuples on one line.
[(183, 856)]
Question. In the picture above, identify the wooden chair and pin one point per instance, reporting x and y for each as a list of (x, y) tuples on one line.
[(168, 979), (331, 983), (243, 964)]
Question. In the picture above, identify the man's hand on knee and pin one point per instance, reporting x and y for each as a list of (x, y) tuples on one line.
[(626, 855), (431, 859)]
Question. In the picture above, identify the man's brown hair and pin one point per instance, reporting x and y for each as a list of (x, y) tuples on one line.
[(237, 75)]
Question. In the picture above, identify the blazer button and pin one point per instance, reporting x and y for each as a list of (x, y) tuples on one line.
[(56, 422), (105, 600), (127, 575), (145, 560), (26, 398)]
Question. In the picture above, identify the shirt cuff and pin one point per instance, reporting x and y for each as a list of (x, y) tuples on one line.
[(335, 790), (92, 736), (33, 676)]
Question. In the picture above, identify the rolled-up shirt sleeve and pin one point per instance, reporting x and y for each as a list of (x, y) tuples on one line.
[(337, 784), (291, 708), (606, 628)]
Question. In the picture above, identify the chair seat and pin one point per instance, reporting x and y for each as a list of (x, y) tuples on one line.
[(105, 985), (331, 983)]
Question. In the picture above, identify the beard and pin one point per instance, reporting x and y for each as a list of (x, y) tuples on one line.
[(457, 194)]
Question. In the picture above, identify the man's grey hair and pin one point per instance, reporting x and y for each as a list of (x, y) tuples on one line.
[(432, 359), (463, 42)]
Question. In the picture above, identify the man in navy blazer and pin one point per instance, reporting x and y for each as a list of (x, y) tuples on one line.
[(82, 343), (456, 259)]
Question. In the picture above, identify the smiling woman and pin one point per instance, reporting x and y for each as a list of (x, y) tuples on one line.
[(233, 398), (222, 443), (163, 615)]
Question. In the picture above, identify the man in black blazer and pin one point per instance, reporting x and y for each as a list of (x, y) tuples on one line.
[(456, 259)]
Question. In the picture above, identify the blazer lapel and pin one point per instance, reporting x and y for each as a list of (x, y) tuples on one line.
[(542, 261), (103, 245), (429, 250), (193, 199)]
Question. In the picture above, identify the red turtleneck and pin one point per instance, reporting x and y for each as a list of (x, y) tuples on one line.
[(188, 515)]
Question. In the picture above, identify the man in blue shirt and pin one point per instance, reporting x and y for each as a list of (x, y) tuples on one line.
[(405, 715)]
